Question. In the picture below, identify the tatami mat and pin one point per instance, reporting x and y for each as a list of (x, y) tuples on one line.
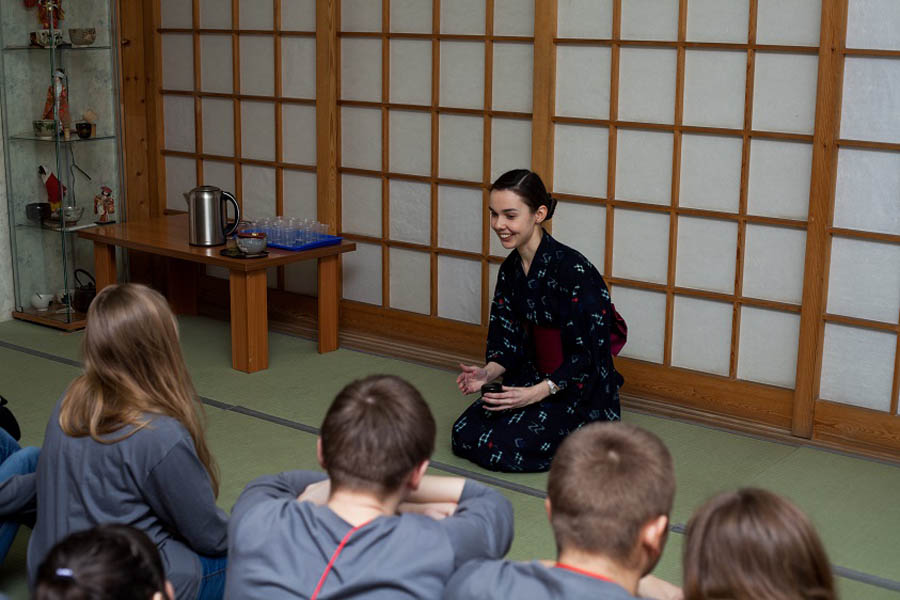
[(852, 500)]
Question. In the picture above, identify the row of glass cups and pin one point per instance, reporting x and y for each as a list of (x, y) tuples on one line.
[(288, 231)]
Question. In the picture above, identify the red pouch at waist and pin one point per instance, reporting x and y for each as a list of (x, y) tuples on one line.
[(548, 349)]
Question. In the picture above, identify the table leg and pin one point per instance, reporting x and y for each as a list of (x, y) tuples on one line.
[(328, 303), (249, 321), (181, 286), (104, 264)]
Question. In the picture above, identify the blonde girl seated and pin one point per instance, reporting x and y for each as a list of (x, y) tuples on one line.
[(125, 445), (753, 544)]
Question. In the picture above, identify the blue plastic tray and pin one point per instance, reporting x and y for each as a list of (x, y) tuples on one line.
[(327, 240)]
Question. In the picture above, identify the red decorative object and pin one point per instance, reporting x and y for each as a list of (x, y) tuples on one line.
[(55, 191)]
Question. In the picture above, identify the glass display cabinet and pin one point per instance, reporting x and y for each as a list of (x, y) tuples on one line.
[(61, 135)]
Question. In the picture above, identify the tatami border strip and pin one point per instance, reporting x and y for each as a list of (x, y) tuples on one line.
[(678, 528)]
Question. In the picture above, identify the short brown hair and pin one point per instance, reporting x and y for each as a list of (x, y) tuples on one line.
[(607, 481), (377, 430), (754, 544)]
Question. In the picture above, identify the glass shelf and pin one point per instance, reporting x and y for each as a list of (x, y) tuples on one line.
[(53, 226), (58, 47), (74, 138)]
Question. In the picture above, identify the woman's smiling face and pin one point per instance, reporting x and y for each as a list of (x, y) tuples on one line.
[(512, 219)]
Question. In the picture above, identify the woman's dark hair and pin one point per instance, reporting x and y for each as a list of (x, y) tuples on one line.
[(108, 562), (529, 187)]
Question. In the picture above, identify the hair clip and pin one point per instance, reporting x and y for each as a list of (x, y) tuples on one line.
[(65, 573)]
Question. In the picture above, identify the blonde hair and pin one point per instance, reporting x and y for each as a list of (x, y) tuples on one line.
[(132, 366)]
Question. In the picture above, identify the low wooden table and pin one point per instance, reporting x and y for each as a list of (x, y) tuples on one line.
[(168, 236)]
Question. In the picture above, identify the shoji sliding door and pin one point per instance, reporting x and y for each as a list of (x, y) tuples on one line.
[(435, 102)]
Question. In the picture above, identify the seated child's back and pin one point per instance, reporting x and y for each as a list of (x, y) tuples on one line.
[(375, 444)]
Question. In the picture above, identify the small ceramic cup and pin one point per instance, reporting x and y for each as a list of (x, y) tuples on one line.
[(41, 301)]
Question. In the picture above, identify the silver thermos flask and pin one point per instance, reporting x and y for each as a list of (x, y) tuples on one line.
[(206, 214)]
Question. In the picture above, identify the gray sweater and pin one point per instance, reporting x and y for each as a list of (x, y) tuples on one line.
[(279, 547), (153, 480)]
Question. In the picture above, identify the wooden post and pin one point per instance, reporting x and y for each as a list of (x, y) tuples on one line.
[(544, 97), (326, 111), (328, 303)]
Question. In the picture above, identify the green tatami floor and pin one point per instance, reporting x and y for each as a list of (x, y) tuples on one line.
[(265, 423)]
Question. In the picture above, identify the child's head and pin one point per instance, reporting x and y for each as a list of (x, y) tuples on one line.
[(132, 365), (376, 433), (610, 492), (109, 562), (753, 544)]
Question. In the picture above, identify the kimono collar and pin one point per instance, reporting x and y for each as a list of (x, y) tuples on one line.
[(546, 252)]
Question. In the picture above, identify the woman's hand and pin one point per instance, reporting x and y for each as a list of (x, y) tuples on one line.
[(471, 379), (515, 397)]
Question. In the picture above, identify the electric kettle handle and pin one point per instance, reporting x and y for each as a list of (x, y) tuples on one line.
[(237, 213)]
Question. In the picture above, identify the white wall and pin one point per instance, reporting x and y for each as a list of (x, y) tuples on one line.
[(6, 275)]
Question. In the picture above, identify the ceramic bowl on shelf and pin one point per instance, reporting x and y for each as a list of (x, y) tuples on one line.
[(83, 129), (251, 242), (71, 214), (44, 128), (41, 301), (82, 36), (37, 211), (44, 39)]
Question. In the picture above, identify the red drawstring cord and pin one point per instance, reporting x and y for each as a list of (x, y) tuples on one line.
[(334, 556)]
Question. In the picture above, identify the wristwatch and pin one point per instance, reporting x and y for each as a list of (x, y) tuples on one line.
[(553, 387)]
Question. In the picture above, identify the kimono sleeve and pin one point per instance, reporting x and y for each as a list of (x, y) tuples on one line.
[(506, 334)]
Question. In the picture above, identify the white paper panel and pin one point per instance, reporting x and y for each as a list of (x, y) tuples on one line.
[(298, 67), (258, 199), (410, 72), (410, 142), (258, 130), (410, 211), (361, 138), (645, 313), (650, 20), (256, 14), (779, 179), (218, 126), (873, 24), (867, 196), (181, 177), (514, 17), (257, 65), (361, 272), (411, 16), (584, 18), (301, 278), (460, 218), (510, 145), (298, 15), (178, 112), (361, 205), (582, 81), (215, 14), (718, 21), (871, 104), (647, 85), (701, 335), (583, 227), (215, 64), (300, 194), (784, 92), (714, 88), (176, 14), (644, 166), (410, 280), (219, 174), (360, 15), (298, 123), (493, 270), (461, 147), (706, 254), (768, 346), (463, 16), (580, 160), (858, 366), (513, 68), (864, 279), (462, 74), (459, 289), (641, 245), (361, 69), (177, 61), (774, 263), (793, 22), (710, 172)]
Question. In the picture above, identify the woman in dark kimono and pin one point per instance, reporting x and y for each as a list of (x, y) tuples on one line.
[(548, 337)]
